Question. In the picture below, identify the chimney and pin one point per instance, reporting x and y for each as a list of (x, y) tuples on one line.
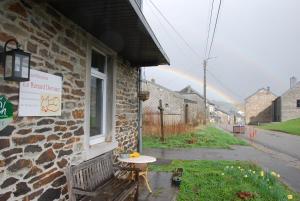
[(268, 89), (293, 81)]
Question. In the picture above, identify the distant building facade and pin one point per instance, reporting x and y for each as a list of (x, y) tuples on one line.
[(287, 106), (212, 112), (258, 106), (190, 94), (223, 117), (178, 107)]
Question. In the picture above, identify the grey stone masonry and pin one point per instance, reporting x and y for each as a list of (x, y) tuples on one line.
[(179, 107), (35, 151), (289, 109), (258, 107)]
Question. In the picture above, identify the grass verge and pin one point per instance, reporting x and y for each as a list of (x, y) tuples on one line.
[(209, 137), (227, 181), (291, 126)]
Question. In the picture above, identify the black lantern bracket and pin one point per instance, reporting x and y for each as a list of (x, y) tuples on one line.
[(16, 63), (3, 48)]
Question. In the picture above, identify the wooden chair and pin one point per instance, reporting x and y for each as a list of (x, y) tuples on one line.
[(96, 180)]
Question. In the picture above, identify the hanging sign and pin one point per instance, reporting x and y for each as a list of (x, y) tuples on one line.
[(6, 112), (41, 96)]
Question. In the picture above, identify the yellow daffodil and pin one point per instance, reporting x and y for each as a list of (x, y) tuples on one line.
[(262, 173), (273, 173), (278, 175), (222, 174), (290, 197), (246, 176)]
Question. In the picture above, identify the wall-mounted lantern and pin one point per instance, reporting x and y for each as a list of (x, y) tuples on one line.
[(16, 63)]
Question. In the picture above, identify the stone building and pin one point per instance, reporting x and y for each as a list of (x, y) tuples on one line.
[(258, 106), (191, 94), (179, 107), (172, 103), (222, 117), (96, 50), (287, 106)]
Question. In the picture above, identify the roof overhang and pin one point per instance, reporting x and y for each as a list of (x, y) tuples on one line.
[(119, 24)]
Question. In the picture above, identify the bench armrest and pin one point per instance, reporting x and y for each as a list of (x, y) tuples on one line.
[(80, 191)]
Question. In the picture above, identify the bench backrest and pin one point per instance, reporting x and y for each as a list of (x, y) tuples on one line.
[(90, 174)]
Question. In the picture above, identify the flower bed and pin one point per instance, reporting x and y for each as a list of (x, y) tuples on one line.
[(228, 181)]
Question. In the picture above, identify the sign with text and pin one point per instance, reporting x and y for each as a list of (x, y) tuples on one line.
[(41, 96), (6, 112)]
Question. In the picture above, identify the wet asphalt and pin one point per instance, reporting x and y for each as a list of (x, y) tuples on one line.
[(162, 188)]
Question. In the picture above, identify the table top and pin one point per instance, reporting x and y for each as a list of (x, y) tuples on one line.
[(140, 159)]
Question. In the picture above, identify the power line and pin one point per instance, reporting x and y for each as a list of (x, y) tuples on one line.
[(210, 17), (174, 29), (223, 85), (164, 28), (180, 49), (188, 45), (216, 22)]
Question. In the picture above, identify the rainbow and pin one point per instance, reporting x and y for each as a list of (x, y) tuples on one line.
[(184, 75)]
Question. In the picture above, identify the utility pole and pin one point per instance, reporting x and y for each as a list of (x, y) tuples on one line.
[(204, 91)]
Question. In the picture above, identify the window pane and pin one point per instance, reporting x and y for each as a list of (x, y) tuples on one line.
[(96, 110), (8, 65), (25, 65), (298, 103), (98, 61)]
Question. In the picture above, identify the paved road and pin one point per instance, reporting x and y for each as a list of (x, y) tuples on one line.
[(281, 142), (288, 167), (162, 188)]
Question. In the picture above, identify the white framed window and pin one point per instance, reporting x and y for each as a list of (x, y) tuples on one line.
[(98, 96)]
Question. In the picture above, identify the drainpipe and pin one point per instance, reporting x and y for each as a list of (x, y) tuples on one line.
[(140, 113)]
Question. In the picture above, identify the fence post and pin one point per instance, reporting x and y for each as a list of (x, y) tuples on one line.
[(161, 110)]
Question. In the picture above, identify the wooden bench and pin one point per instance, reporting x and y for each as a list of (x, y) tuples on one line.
[(96, 180)]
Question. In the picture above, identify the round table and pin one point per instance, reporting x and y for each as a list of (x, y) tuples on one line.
[(141, 160)]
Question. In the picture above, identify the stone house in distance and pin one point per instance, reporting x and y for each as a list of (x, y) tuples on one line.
[(179, 107), (258, 106), (287, 106), (96, 50), (190, 94)]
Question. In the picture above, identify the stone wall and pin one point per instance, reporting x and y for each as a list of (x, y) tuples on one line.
[(172, 103), (127, 108), (196, 109), (223, 118), (289, 108), (258, 107), (35, 151)]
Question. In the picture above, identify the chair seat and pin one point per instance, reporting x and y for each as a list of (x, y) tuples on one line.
[(114, 190)]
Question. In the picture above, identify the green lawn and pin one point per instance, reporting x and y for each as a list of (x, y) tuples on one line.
[(207, 137), (291, 126), (223, 180)]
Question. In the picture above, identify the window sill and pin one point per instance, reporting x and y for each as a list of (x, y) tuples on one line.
[(101, 148)]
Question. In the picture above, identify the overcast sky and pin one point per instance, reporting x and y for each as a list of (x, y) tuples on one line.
[(257, 44)]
